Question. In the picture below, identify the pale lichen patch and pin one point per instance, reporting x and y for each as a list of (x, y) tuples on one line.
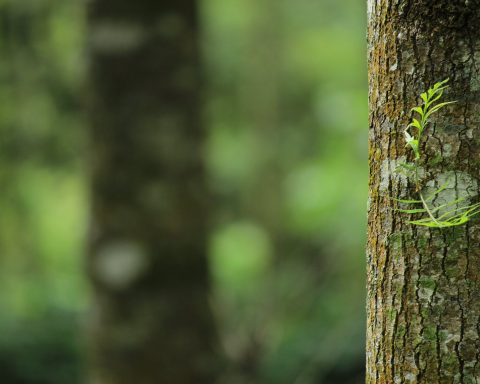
[(425, 294), (455, 185), (389, 173), (410, 378), (448, 340), (119, 264), (447, 150), (370, 8), (475, 84)]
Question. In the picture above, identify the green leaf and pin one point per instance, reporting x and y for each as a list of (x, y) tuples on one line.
[(438, 224), (442, 187), (419, 110), (437, 107), (408, 201), (415, 210), (415, 123), (438, 96), (439, 84), (424, 223), (413, 143), (454, 215), (456, 201), (408, 166)]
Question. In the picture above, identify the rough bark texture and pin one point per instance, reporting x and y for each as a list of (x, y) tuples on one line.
[(423, 284), (151, 320)]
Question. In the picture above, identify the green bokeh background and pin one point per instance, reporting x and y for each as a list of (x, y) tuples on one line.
[(285, 106)]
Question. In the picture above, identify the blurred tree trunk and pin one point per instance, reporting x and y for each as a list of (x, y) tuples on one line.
[(148, 264), (423, 284)]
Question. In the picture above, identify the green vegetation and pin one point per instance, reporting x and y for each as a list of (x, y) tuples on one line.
[(284, 166), (450, 213)]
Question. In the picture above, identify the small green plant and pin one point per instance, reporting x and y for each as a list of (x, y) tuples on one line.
[(451, 213)]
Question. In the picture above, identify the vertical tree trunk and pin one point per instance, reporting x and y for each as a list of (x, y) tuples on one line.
[(423, 284), (151, 323)]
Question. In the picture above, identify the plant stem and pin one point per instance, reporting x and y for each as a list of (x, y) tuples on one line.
[(418, 189), (425, 205)]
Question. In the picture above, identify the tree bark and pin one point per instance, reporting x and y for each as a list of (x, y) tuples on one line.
[(423, 284), (151, 322)]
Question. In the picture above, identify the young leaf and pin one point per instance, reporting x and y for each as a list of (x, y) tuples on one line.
[(408, 166), (415, 123), (436, 192), (416, 210), (437, 107), (404, 201), (419, 110), (437, 97)]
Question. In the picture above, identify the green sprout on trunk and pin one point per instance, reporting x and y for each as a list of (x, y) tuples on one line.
[(451, 213)]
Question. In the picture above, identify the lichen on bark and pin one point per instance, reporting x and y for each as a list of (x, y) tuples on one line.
[(423, 284)]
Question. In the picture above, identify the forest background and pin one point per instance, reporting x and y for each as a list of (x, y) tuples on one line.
[(285, 111)]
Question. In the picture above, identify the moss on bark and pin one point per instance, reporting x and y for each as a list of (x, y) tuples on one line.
[(423, 284)]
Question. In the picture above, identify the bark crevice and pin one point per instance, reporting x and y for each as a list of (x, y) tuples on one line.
[(423, 285)]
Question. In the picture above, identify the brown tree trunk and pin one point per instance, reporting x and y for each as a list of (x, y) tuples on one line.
[(148, 266), (423, 284)]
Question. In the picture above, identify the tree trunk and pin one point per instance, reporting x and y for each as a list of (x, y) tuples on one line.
[(151, 321), (423, 284)]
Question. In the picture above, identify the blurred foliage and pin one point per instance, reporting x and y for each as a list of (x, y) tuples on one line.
[(287, 118), (286, 112), (46, 350), (42, 201)]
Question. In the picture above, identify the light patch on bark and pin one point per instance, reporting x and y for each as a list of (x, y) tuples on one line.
[(448, 338), (410, 378), (447, 150), (439, 299), (425, 294), (458, 185), (370, 8), (120, 264), (116, 37), (389, 174)]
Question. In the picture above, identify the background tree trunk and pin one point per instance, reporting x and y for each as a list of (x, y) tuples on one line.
[(151, 320), (423, 284)]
